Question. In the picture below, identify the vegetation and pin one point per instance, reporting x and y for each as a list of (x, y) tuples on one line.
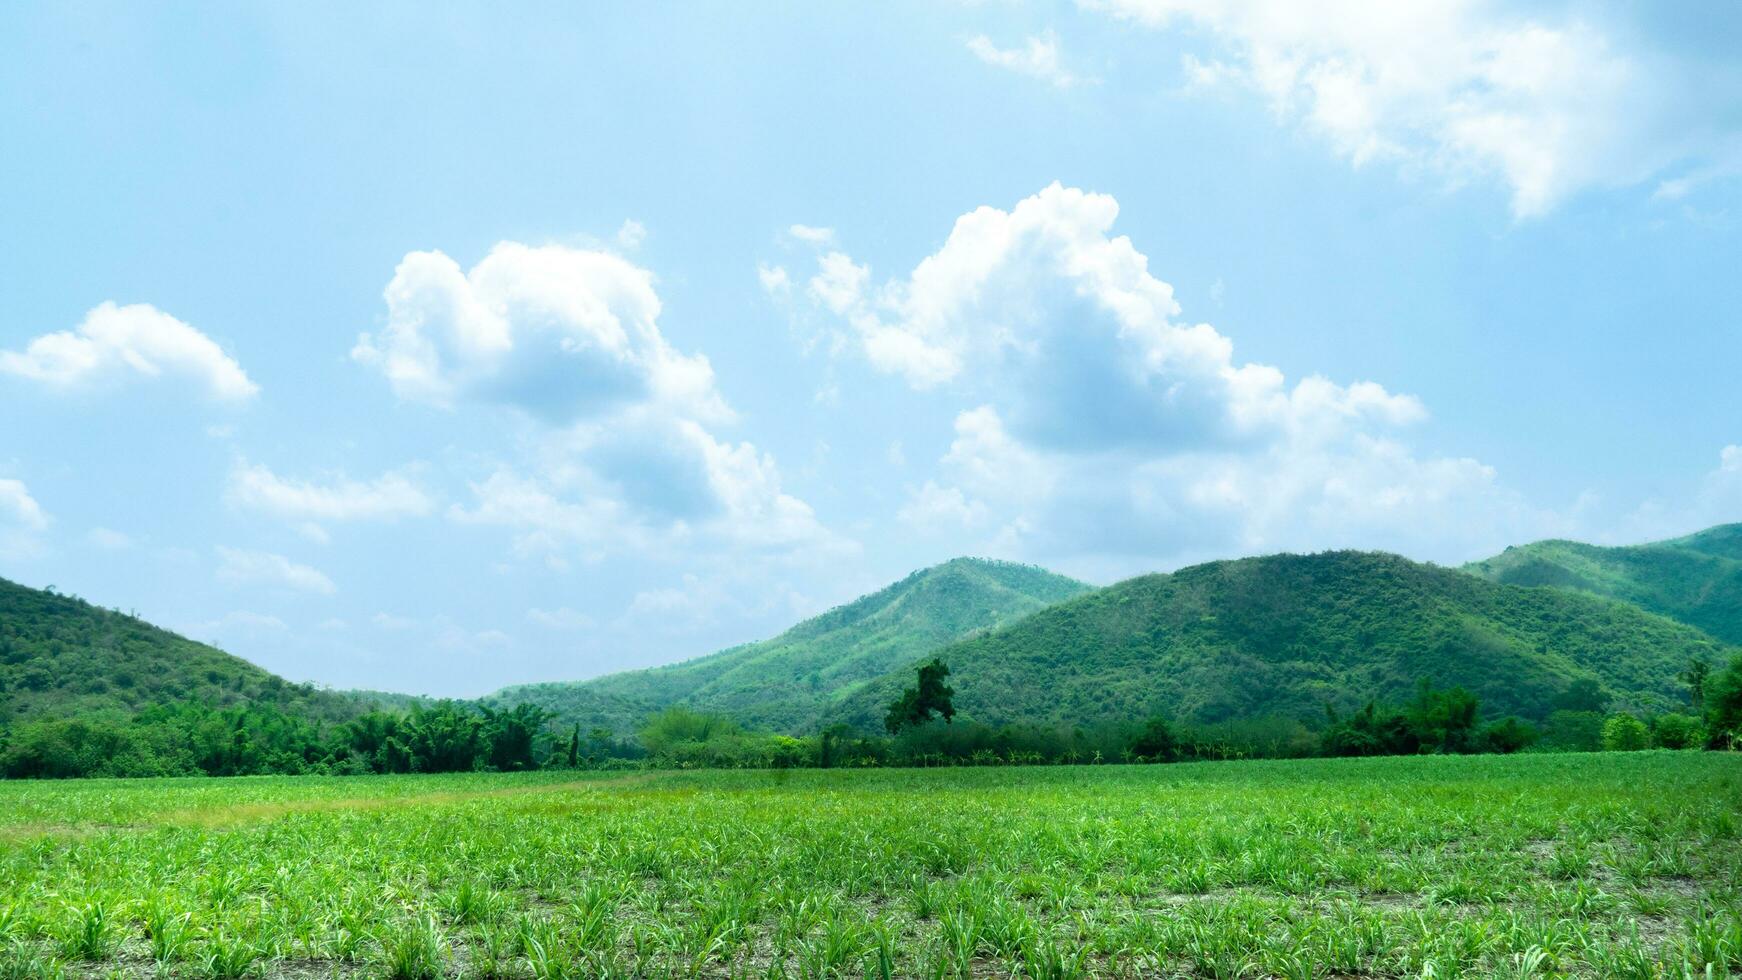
[(63, 658), (1695, 580), (917, 705), (788, 684), (248, 740), (1280, 637), (1526, 865)]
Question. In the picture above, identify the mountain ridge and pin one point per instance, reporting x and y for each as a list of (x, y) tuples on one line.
[(1285, 635), (1695, 579), (785, 682)]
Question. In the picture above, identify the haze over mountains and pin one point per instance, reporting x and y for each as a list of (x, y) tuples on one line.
[(1278, 636)]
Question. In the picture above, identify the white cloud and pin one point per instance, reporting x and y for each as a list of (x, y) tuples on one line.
[(1043, 299), (18, 508), (632, 234), (242, 567), (108, 539), (562, 334), (812, 235), (1105, 425), (1547, 101), (22, 520), (387, 497), (933, 505), (626, 455), (1037, 57), (113, 342), (774, 279)]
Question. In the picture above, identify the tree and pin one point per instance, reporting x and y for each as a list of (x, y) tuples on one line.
[(1724, 704), (1444, 720), (917, 704), (1625, 733), (1677, 731), (1508, 735), (1695, 678), (1583, 694), (1156, 742), (575, 747)]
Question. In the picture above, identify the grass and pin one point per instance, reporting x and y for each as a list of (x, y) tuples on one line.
[(1617, 865)]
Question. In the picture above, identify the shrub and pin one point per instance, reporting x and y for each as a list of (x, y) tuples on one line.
[(1625, 733), (1677, 731)]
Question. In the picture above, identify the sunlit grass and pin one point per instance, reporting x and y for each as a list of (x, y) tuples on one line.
[(1594, 865)]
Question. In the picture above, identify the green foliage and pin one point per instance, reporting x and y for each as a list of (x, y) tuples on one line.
[(247, 740), (1574, 731), (789, 683), (916, 706), (1677, 731), (63, 658), (1724, 705), (1282, 635), (1156, 743), (1508, 735), (1695, 580), (1625, 733)]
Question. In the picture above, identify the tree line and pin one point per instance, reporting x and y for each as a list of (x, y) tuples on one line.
[(191, 739), (921, 729)]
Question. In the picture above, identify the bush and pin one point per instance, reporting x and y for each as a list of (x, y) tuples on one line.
[(1677, 731), (1625, 733)]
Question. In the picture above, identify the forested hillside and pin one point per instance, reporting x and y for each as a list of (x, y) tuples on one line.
[(1286, 635), (63, 658), (1696, 580), (790, 682)]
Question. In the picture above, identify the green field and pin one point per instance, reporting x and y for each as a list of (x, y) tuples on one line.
[(1611, 865)]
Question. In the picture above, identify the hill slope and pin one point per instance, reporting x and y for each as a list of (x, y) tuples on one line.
[(789, 682), (63, 657), (1695, 580), (1284, 635)]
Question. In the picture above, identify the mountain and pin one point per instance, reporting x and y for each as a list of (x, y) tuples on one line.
[(1285, 635), (789, 682), (62, 657), (1695, 580)]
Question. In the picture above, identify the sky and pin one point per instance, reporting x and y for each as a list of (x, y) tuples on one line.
[(439, 348)]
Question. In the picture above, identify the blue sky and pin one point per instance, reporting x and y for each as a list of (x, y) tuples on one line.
[(436, 350)]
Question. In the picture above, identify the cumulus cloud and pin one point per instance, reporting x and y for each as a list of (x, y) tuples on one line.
[(238, 566), (114, 342), (1103, 423), (562, 334), (1547, 102), (253, 486), (1037, 57), (628, 453)]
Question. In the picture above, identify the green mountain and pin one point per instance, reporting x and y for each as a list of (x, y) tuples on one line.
[(790, 682), (1284, 635), (62, 657), (1695, 580)]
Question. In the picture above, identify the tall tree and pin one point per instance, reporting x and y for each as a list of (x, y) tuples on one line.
[(917, 704)]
